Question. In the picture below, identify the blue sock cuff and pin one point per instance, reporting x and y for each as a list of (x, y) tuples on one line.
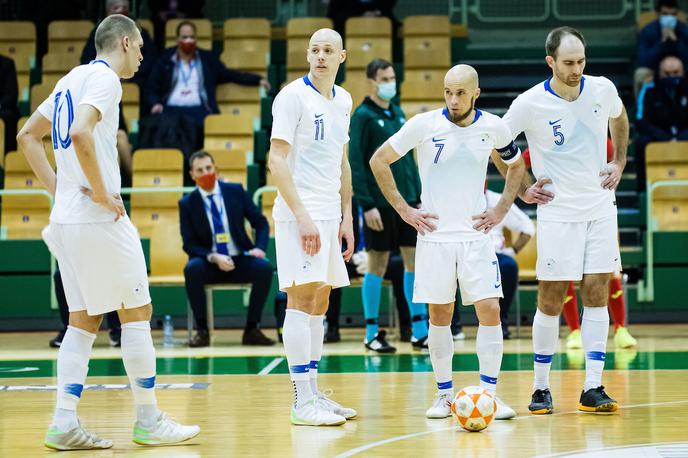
[(445, 385), (313, 365), (299, 368), (546, 359), (148, 382), (74, 389), (487, 379), (596, 355)]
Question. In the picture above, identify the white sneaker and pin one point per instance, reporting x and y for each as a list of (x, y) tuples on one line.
[(504, 412), (315, 413), (441, 408), (74, 439), (459, 336), (334, 406), (165, 431)]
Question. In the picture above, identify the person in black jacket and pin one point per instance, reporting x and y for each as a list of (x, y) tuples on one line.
[(211, 221), (148, 51), (665, 36), (184, 79), (9, 92), (662, 113)]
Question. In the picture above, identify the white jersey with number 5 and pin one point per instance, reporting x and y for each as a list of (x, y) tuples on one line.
[(568, 144), (97, 85), (452, 162), (317, 129)]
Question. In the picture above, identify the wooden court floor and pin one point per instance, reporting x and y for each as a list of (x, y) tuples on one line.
[(241, 398)]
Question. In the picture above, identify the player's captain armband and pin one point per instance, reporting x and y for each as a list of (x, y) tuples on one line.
[(509, 152)]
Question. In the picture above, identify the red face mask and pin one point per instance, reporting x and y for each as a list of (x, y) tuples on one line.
[(188, 46), (207, 181)]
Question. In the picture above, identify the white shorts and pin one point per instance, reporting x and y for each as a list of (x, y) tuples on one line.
[(439, 265), (566, 251), (101, 264), (295, 267)]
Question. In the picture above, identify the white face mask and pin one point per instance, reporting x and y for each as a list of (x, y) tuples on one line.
[(387, 91)]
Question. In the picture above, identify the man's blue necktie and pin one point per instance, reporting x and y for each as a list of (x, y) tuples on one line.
[(217, 226)]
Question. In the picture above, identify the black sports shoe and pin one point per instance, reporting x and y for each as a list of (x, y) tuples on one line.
[(57, 340), (332, 334), (420, 344), (405, 334), (596, 400), (379, 344), (541, 402)]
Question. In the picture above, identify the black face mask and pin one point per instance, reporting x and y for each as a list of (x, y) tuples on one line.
[(671, 82)]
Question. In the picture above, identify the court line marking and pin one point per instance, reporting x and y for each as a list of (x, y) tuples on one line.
[(271, 365), (363, 448), (628, 447), (109, 386)]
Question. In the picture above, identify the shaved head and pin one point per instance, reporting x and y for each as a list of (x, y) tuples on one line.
[(327, 36), (462, 75)]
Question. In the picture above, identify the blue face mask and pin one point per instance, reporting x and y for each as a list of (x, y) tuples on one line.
[(668, 21), (387, 91), (671, 82)]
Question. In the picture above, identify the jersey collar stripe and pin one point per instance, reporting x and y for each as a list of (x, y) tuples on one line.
[(478, 114), (548, 87), (307, 81), (99, 61)]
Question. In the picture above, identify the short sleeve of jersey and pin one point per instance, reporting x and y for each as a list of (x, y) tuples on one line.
[(611, 96), (47, 107), (102, 90), (286, 113), (517, 117), (408, 137), (504, 142)]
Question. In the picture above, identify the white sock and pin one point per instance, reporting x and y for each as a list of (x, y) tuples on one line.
[(545, 338), (296, 333), (441, 347), (317, 334), (489, 345), (72, 367), (594, 331), (138, 355)]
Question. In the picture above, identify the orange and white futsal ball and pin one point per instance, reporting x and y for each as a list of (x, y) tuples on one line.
[(474, 407)]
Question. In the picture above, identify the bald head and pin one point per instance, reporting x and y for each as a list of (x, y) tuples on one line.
[(671, 66), (327, 36), (463, 76)]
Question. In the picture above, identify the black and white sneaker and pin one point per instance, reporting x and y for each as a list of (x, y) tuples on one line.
[(379, 343), (420, 344)]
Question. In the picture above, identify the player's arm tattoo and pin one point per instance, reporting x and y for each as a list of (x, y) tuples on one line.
[(619, 129)]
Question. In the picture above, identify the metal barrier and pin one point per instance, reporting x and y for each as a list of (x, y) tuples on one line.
[(646, 287)]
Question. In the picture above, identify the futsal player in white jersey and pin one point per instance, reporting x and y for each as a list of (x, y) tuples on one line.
[(312, 215), (94, 241), (565, 120), (454, 146)]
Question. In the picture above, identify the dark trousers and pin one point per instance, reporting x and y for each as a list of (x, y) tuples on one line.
[(112, 318), (395, 273), (249, 269), (508, 270)]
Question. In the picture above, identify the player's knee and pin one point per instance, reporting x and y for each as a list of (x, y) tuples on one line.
[(377, 262), (143, 313), (85, 322), (441, 314), (595, 289)]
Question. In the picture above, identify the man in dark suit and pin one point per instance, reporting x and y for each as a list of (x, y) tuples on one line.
[(9, 92), (184, 79), (220, 251)]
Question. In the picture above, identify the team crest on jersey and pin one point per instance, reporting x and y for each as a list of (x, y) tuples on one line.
[(596, 110), (484, 138)]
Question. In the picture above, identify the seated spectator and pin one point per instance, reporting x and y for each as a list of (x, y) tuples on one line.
[(148, 51), (9, 92), (184, 79), (162, 11), (211, 220), (665, 36), (662, 113)]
